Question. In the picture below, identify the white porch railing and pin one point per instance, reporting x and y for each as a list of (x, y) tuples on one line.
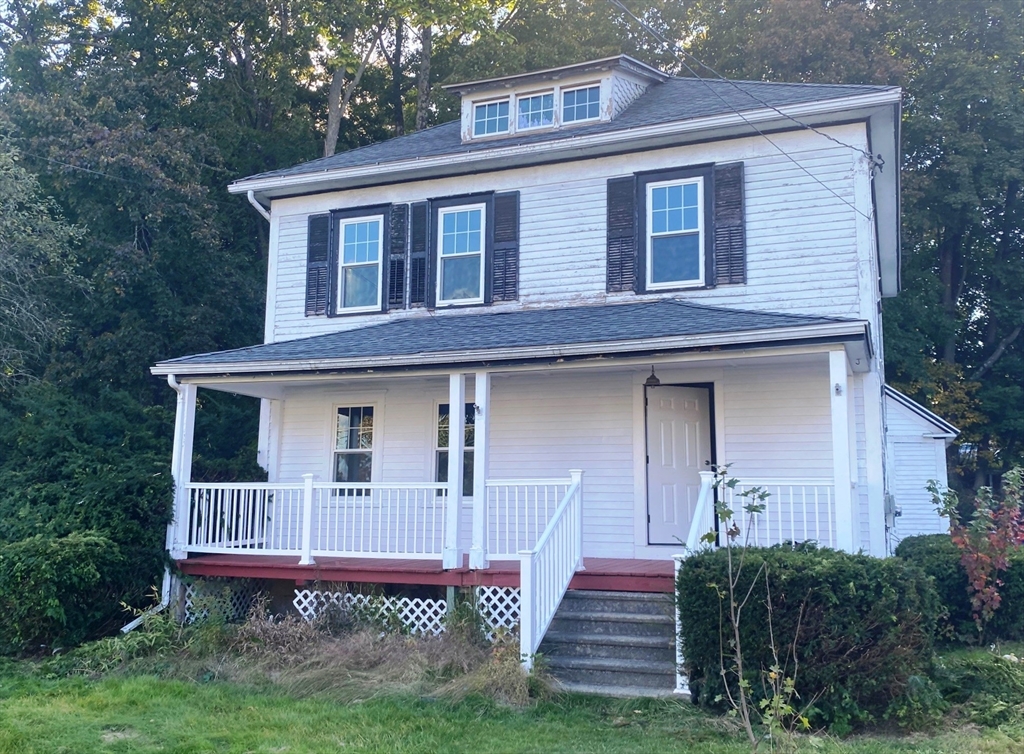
[(518, 512), (311, 519), (379, 520), (252, 517), (796, 510), (547, 569)]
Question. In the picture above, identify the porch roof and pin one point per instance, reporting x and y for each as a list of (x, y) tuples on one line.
[(529, 335)]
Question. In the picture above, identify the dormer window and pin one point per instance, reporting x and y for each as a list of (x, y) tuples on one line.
[(581, 104), (491, 118), (536, 111)]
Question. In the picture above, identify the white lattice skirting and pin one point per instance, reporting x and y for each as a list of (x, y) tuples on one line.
[(239, 595), (498, 606)]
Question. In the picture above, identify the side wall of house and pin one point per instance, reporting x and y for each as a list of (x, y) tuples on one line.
[(806, 250), (915, 460), (772, 421)]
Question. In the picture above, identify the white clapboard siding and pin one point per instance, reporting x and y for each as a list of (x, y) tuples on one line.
[(802, 253), (773, 421), (916, 460)]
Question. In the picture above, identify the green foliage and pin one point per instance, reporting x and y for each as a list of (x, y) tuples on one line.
[(937, 556), (57, 591), (987, 686), (865, 628)]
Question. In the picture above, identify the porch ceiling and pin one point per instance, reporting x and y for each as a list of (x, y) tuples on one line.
[(530, 336)]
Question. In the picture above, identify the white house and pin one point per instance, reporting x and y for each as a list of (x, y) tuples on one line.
[(505, 352)]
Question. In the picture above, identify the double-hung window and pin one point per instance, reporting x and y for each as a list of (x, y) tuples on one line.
[(535, 111), (675, 233), (490, 118), (460, 254), (359, 263), (353, 444), (443, 444), (581, 104)]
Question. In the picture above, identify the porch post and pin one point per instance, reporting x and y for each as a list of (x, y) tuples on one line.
[(838, 387), (452, 557), (481, 449), (181, 466)]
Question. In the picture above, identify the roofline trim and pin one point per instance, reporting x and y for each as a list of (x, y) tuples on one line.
[(615, 61), (947, 429), (574, 143), (853, 331)]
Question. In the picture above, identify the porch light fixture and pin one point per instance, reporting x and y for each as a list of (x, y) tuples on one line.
[(653, 380)]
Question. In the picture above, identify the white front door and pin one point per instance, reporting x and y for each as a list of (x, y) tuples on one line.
[(678, 447)]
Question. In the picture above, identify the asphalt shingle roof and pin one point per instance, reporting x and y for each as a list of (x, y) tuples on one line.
[(526, 328), (677, 99)]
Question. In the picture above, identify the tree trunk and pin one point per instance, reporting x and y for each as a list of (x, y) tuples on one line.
[(423, 84), (335, 101), (949, 275)]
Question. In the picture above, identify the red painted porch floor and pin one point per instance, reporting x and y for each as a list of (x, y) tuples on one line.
[(618, 574)]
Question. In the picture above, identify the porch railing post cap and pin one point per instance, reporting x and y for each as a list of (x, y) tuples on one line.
[(308, 476)]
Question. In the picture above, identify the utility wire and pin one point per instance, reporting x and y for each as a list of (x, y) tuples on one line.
[(675, 50)]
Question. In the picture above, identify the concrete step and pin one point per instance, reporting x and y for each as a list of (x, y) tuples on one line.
[(643, 603), (619, 646), (603, 671), (619, 624), (620, 692)]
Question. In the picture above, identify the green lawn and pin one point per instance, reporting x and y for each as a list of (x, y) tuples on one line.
[(149, 714)]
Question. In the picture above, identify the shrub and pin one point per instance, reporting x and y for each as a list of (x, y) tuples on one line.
[(937, 556), (56, 591), (865, 630)]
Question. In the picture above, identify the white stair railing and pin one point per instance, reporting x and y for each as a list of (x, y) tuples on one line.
[(547, 569), (796, 510), (704, 514)]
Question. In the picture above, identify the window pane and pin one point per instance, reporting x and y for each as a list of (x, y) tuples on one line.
[(536, 111), (359, 287), (341, 435), (675, 258), (442, 425), (361, 242), (467, 470), (581, 104), (352, 467), (460, 277), (461, 232), (490, 118)]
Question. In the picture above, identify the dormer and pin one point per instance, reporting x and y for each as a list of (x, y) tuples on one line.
[(552, 99)]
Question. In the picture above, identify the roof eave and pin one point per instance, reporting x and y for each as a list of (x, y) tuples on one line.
[(852, 334), (624, 62), (581, 146)]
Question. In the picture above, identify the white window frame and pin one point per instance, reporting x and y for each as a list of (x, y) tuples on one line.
[(484, 103), (340, 307), (471, 449), (650, 235), (374, 438), (554, 109), (441, 212), (561, 104)]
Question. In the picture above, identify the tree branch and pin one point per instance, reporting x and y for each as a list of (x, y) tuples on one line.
[(1000, 349)]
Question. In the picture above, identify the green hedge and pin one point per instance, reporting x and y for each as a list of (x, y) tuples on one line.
[(57, 591), (865, 640), (938, 556)]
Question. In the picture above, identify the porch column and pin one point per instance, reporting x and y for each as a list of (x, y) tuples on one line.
[(452, 557), (838, 388), (181, 465), (481, 449)]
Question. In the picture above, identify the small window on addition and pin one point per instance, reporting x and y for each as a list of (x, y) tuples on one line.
[(490, 118), (675, 236), (442, 447), (353, 445), (581, 104)]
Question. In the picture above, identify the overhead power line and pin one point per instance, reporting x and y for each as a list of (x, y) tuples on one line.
[(675, 50)]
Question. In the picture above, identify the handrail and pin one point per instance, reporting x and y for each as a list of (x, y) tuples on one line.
[(701, 519), (547, 569)]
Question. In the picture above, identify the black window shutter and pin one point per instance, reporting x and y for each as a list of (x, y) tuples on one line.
[(622, 245), (318, 265), (419, 241), (730, 234), (505, 267), (398, 233)]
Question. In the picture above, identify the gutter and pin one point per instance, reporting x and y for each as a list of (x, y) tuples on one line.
[(259, 207), (850, 332), (165, 600)]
